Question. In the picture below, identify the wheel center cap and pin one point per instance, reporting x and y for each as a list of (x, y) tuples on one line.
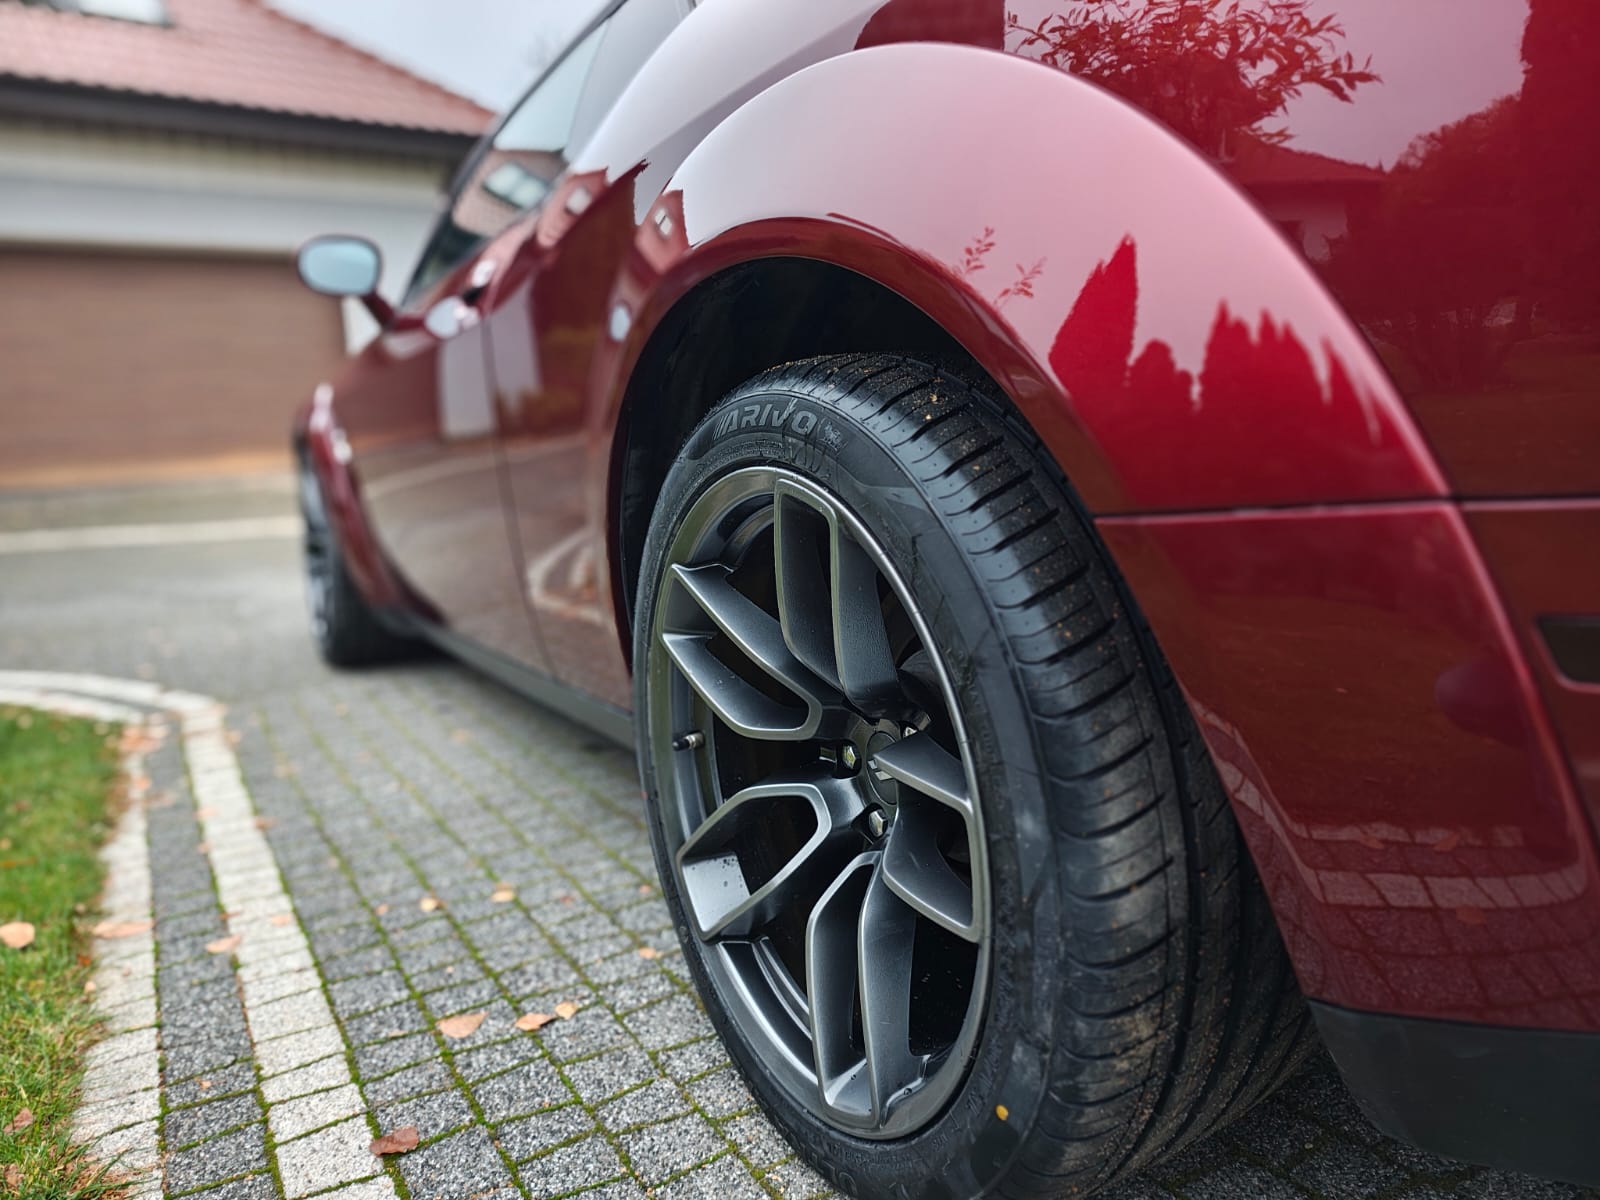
[(883, 789)]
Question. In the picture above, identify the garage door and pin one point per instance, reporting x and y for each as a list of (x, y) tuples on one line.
[(121, 366)]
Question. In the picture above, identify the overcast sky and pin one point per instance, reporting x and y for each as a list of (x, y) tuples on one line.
[(486, 49)]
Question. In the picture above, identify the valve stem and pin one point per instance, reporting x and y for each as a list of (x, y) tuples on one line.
[(692, 740)]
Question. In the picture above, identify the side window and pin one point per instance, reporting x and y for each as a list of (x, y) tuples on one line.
[(636, 30), (515, 169)]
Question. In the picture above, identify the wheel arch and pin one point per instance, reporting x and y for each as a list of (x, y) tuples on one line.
[(1147, 322)]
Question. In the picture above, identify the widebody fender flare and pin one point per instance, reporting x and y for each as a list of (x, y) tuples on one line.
[(1168, 345)]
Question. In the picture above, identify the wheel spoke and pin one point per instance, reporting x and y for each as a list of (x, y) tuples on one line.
[(884, 953), (724, 896), (758, 637), (802, 537), (921, 764), (915, 870), (832, 936), (828, 599)]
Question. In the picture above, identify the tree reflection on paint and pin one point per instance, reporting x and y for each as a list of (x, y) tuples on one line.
[(1317, 418)]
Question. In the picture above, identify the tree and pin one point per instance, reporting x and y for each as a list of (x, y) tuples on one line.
[(1211, 69)]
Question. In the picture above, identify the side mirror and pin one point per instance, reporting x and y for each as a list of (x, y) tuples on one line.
[(337, 265)]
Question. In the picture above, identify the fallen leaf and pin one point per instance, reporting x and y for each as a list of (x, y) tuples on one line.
[(430, 904), (645, 889), (1447, 843), (528, 1022), (566, 1009), (18, 935), (224, 945), (235, 736), (399, 1141), (205, 812), (649, 952), (265, 823), (122, 929), (85, 960), (203, 847), (381, 910), (504, 894), (281, 919), (463, 1026), (461, 736), (565, 898), (88, 987), (21, 1121), (13, 1178), (204, 1085)]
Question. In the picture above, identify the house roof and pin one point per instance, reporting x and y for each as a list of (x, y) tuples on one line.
[(237, 53), (1263, 164)]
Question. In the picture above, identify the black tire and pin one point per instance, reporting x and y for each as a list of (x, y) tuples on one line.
[(344, 627), (1139, 995)]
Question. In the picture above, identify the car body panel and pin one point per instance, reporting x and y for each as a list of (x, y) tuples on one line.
[(1392, 766), (1271, 369)]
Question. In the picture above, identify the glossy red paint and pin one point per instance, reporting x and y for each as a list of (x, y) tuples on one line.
[(1372, 715), (1545, 556), (1354, 301)]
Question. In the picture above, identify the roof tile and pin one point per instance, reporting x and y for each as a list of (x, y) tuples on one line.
[(233, 52)]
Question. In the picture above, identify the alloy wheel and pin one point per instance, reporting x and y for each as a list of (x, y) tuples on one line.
[(819, 803)]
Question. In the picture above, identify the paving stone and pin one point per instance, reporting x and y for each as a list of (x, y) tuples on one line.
[(442, 1112), (303, 1114), (721, 1094), (526, 1089), (584, 1164), (393, 1021), (754, 1137), (338, 1154), (381, 1058), (253, 1187), (317, 1077), (795, 1179), (604, 1076), (403, 1085), (659, 1151), (352, 997), (656, 1101), (533, 1135), (480, 1063), (725, 1179), (218, 1159), (464, 1164), (237, 1078), (186, 1126)]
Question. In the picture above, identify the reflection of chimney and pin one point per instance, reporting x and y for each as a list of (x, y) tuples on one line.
[(970, 22)]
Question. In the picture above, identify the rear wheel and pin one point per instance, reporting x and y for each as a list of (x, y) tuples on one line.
[(346, 630), (953, 875)]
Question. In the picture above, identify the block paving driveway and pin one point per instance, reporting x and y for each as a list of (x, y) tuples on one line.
[(379, 789)]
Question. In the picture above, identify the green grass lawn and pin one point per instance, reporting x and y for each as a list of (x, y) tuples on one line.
[(56, 781)]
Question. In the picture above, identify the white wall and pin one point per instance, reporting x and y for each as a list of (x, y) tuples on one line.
[(82, 185)]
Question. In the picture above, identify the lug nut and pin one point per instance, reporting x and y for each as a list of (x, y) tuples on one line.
[(849, 756), (877, 822)]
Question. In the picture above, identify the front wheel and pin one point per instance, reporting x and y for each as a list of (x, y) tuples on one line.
[(953, 876)]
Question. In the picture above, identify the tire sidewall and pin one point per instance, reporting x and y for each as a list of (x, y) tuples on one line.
[(834, 444)]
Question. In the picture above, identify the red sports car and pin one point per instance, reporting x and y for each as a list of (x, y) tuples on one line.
[(1090, 511)]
